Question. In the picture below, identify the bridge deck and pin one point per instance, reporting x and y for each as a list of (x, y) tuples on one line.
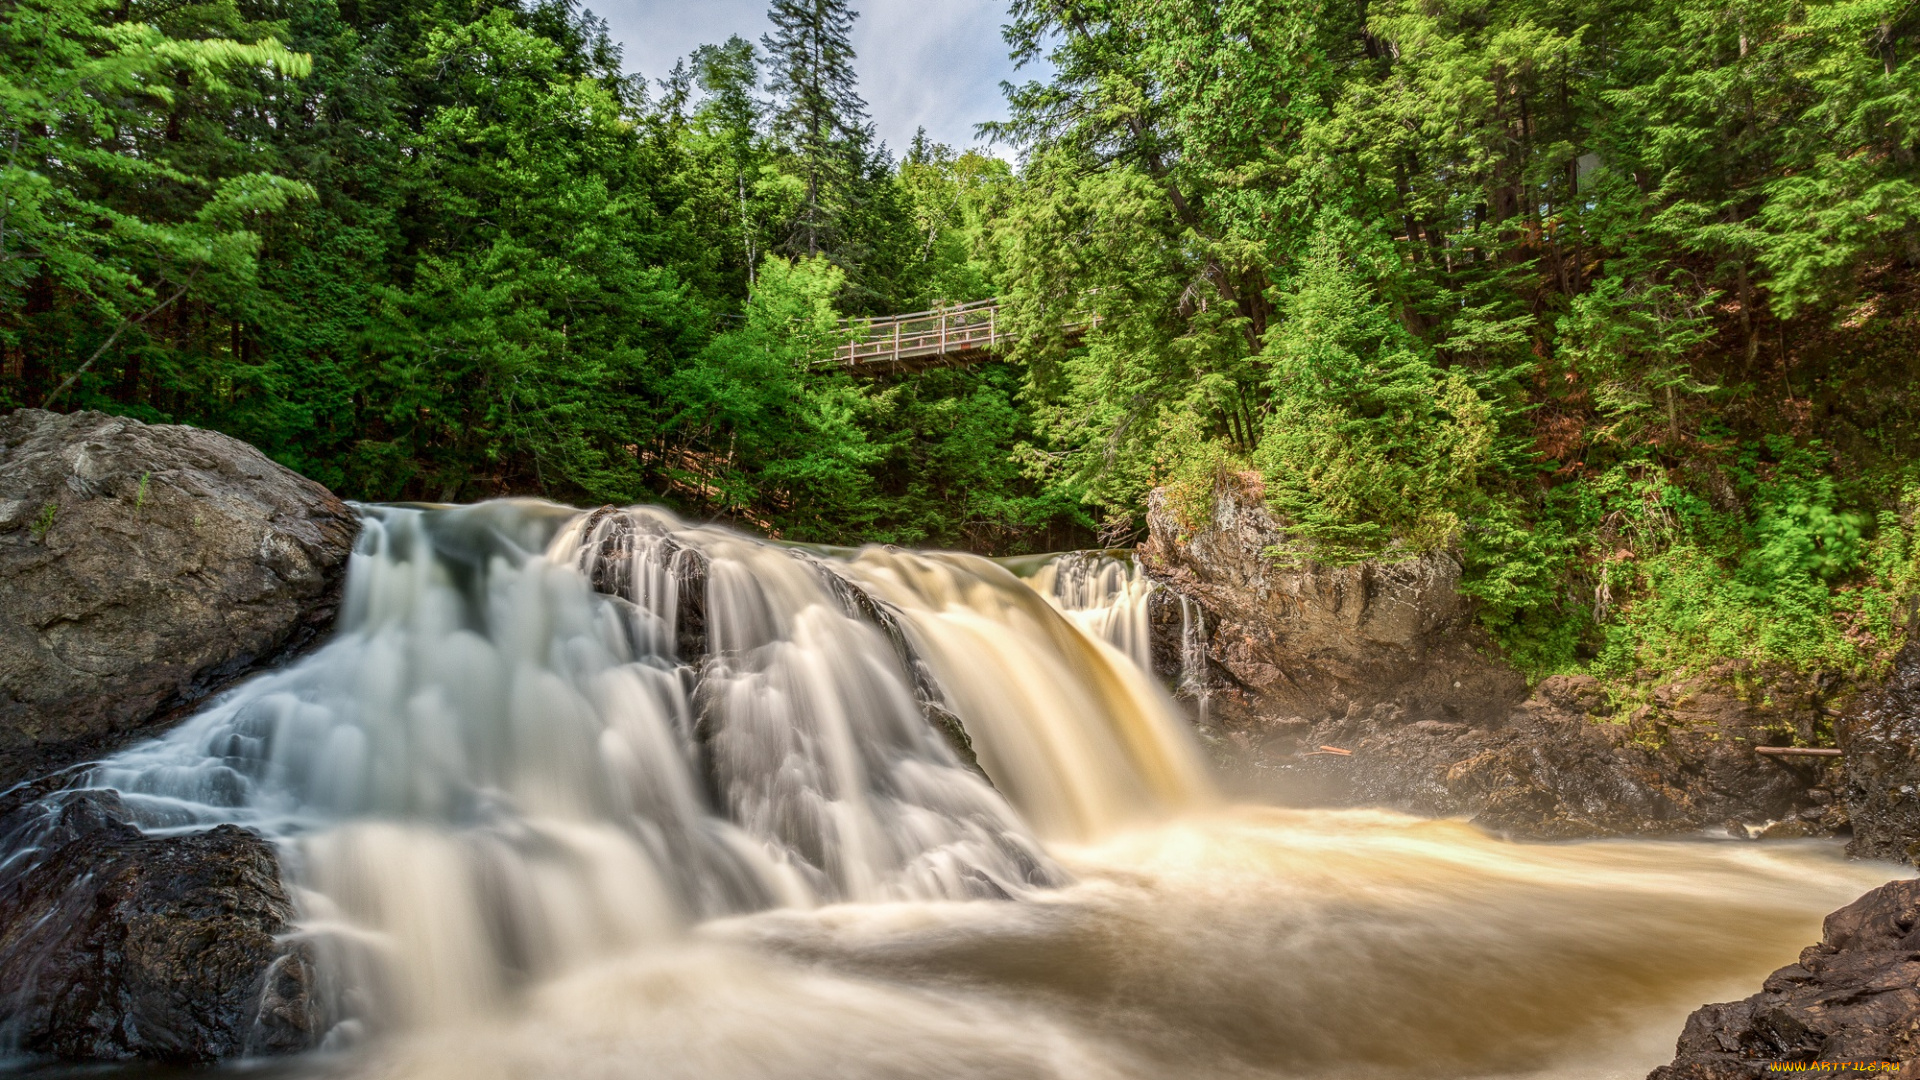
[(964, 334)]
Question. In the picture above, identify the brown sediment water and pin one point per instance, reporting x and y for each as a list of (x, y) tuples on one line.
[(1242, 942), (612, 795)]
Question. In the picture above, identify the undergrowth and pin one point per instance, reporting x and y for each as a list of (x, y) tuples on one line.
[(1635, 575)]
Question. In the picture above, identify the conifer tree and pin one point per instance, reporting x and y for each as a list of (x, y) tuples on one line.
[(818, 112)]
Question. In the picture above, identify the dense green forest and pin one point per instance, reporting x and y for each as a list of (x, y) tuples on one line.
[(447, 250), (1618, 300)]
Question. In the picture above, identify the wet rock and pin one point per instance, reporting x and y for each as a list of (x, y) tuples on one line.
[(1854, 997), (1557, 767), (143, 568), (622, 553), (115, 945), (1384, 660), (1793, 828), (928, 694), (1881, 737), (1311, 640)]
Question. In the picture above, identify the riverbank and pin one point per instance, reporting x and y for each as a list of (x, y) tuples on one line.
[(563, 787), (1374, 684)]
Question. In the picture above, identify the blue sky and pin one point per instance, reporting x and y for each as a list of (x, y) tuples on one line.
[(936, 63)]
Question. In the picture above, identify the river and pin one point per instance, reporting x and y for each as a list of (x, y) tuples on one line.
[(611, 795)]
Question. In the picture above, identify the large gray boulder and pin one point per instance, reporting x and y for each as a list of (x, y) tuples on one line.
[(143, 567)]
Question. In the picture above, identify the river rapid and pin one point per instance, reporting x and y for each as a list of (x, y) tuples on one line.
[(608, 795)]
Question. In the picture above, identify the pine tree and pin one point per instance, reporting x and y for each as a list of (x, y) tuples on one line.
[(818, 113)]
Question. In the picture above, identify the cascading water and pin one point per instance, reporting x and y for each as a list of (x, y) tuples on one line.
[(1103, 595), (1193, 655), (1106, 595), (495, 772), (607, 795)]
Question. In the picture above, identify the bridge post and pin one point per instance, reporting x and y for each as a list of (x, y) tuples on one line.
[(896, 343)]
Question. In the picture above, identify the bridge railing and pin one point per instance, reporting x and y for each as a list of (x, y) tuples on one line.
[(965, 332), (922, 335)]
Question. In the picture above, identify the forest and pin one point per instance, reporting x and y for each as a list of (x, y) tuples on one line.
[(1619, 300)]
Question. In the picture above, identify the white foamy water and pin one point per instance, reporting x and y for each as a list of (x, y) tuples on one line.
[(1102, 595), (610, 795), (494, 773)]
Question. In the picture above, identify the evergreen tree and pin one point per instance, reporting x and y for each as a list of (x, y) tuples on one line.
[(818, 112), (728, 125), (112, 209)]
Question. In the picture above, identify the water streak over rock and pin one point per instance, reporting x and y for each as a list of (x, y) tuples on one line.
[(115, 944)]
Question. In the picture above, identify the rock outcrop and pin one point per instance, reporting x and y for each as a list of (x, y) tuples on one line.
[(118, 945), (143, 568), (1315, 641), (1563, 764), (1854, 997), (1384, 660), (1881, 737)]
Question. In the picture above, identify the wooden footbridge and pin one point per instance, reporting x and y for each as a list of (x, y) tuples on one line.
[(944, 337)]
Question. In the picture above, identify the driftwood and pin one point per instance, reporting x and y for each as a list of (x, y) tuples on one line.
[(1328, 750)]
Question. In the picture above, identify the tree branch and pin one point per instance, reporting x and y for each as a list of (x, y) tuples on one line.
[(125, 325)]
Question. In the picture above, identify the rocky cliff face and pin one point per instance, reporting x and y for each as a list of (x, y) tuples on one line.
[(1563, 764), (1316, 641), (1855, 996), (1881, 737), (1384, 660), (145, 567)]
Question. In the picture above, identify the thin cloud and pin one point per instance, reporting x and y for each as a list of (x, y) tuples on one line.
[(936, 64)]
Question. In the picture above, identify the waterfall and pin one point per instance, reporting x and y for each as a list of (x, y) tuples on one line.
[(540, 737), (1194, 680), (610, 795), (1104, 595)]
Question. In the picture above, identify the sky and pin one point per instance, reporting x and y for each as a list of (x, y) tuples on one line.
[(937, 63)]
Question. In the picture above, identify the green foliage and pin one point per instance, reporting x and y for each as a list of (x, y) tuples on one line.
[(1782, 577), (1192, 468), (1367, 443), (43, 523), (1523, 569), (504, 269), (82, 98), (762, 431), (953, 199), (819, 114), (947, 478), (1571, 289), (1631, 339)]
